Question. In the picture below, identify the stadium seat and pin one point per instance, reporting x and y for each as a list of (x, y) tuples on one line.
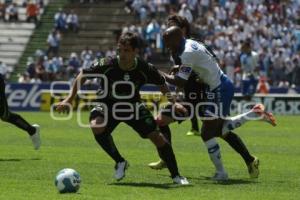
[(14, 38)]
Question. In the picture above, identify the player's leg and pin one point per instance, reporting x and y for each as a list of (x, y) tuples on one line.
[(195, 127), (146, 126), (246, 89), (166, 153), (252, 86), (32, 130), (163, 122), (102, 134), (15, 119), (256, 113), (233, 140), (20, 122), (238, 145), (210, 130), (166, 117)]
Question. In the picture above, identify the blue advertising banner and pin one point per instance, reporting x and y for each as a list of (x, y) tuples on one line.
[(27, 97), (24, 97)]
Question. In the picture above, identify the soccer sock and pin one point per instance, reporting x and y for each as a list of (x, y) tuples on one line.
[(166, 154), (165, 130), (195, 125), (238, 145), (237, 121), (18, 121), (215, 154), (108, 145)]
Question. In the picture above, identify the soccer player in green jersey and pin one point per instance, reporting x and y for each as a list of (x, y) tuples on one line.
[(124, 76)]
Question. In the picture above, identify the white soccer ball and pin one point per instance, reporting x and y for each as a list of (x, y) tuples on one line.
[(67, 180)]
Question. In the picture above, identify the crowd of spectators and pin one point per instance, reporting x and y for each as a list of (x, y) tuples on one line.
[(64, 21), (41, 68), (48, 65), (15, 11), (272, 26), (11, 10)]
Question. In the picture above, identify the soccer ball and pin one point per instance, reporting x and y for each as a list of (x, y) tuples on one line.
[(67, 180)]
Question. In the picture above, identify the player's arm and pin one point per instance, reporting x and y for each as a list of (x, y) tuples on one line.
[(175, 80), (76, 85), (157, 78), (256, 62), (95, 68), (184, 72), (172, 98), (66, 103), (166, 92)]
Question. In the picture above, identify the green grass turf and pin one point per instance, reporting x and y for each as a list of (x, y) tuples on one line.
[(29, 174)]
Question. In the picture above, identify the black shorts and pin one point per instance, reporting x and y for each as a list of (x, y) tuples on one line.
[(4, 112), (136, 116)]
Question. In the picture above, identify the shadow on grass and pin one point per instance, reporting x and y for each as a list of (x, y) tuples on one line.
[(208, 180), (70, 193), (152, 185), (17, 159)]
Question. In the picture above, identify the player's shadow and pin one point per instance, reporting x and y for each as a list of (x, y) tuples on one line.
[(70, 194), (207, 180), (17, 159), (152, 185)]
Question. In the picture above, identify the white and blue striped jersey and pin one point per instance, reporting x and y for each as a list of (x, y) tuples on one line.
[(196, 57)]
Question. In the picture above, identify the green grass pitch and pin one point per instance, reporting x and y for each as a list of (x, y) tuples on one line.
[(29, 174)]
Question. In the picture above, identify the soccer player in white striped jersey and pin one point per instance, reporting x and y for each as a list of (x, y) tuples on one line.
[(195, 57)]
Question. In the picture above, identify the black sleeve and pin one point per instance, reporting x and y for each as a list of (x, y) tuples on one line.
[(154, 76), (98, 67)]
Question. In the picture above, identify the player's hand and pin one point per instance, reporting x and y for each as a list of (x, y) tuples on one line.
[(174, 70), (63, 106), (180, 109)]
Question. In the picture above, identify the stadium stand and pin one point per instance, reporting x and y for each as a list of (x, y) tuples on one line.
[(99, 26), (221, 24), (273, 27), (15, 31), (37, 40), (14, 38)]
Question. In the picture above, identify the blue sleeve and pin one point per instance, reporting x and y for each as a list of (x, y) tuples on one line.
[(243, 59)]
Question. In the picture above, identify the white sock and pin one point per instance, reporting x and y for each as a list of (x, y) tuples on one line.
[(232, 123), (215, 154)]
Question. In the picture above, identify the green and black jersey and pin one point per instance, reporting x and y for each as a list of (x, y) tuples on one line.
[(124, 85)]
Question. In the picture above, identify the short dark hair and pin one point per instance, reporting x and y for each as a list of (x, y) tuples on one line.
[(130, 38), (181, 22), (247, 43)]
